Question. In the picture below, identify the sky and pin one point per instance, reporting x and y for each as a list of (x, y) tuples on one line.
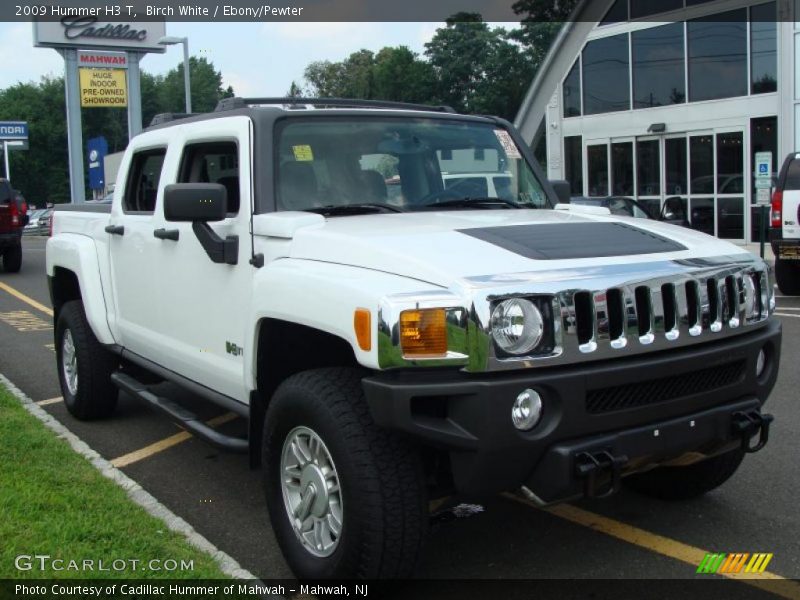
[(257, 59)]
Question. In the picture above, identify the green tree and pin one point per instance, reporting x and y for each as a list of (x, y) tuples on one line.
[(399, 74), (206, 87), (478, 69)]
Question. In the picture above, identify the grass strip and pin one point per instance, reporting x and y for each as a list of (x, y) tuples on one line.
[(54, 503)]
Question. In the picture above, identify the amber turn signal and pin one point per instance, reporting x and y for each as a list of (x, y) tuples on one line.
[(363, 326), (423, 333)]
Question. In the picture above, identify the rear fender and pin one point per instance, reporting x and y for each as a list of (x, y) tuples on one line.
[(78, 254)]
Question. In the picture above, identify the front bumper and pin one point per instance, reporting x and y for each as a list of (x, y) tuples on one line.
[(614, 405)]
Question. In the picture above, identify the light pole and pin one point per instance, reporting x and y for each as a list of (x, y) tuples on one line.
[(169, 41)]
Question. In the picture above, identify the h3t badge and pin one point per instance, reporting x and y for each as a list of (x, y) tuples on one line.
[(233, 349)]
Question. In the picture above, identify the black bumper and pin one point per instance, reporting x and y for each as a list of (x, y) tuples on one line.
[(13, 238), (781, 248), (647, 409)]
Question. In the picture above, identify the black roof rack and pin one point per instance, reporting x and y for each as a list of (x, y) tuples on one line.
[(302, 103), (167, 117)]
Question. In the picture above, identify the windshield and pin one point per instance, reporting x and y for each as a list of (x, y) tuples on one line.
[(394, 164)]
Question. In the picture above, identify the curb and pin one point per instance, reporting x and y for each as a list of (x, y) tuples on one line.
[(136, 492)]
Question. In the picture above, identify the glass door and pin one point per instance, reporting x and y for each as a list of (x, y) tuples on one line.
[(648, 173)]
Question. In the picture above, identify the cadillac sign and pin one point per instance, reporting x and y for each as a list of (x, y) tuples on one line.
[(90, 33)]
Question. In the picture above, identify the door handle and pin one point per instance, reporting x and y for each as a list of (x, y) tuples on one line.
[(167, 234), (115, 229)]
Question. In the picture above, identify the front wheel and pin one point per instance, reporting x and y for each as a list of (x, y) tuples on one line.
[(690, 481), (346, 498)]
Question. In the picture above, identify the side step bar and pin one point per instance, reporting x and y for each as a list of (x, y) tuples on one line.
[(180, 415)]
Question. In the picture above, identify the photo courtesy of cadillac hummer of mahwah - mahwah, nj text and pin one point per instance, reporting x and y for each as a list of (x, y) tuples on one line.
[(404, 309)]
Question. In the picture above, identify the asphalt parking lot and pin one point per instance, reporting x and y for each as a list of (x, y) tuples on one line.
[(626, 536)]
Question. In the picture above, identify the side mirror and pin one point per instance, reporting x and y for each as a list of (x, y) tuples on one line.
[(562, 189), (674, 211), (199, 203), (195, 202)]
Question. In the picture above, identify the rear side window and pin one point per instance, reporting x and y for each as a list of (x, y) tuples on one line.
[(792, 181), (142, 186), (213, 162)]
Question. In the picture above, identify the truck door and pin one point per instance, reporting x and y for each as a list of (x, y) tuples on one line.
[(202, 304), (132, 250)]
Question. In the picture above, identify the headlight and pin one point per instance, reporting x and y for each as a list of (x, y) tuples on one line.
[(517, 326)]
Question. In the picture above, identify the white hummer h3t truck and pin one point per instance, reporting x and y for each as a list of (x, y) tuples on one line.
[(390, 350)]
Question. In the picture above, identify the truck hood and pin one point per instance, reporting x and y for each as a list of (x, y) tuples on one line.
[(444, 247)]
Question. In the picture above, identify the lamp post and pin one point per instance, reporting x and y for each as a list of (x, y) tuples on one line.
[(169, 41)]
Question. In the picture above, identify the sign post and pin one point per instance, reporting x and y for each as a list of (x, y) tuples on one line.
[(763, 162)]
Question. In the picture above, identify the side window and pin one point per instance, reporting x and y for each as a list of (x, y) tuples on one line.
[(213, 162), (142, 186)]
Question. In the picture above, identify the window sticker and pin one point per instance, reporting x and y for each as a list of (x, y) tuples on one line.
[(303, 153), (507, 143)]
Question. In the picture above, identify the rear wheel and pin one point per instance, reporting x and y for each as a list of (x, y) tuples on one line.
[(691, 481), (12, 259), (787, 276), (84, 366), (346, 498)]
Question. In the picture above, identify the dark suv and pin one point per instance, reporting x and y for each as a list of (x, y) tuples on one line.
[(13, 218)]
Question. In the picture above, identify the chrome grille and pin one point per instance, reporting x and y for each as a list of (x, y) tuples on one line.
[(616, 310), (641, 314)]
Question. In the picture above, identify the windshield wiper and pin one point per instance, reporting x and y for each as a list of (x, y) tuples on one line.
[(333, 210), (468, 202)]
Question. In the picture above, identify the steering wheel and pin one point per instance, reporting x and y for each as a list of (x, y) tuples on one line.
[(451, 193)]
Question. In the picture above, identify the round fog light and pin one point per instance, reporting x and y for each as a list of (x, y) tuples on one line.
[(761, 362), (527, 410)]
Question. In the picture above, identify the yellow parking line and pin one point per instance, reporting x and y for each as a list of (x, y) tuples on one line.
[(161, 445), (27, 299), (769, 582), (50, 401)]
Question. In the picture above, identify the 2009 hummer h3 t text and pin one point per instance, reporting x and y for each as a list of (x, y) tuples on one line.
[(392, 336)]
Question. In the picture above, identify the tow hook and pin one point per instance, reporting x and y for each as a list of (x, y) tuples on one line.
[(747, 425), (589, 465)]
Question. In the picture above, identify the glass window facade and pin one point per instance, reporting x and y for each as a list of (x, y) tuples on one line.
[(571, 91), (606, 85), (573, 164), (597, 163), (622, 169), (763, 49), (763, 138), (658, 66), (675, 166), (648, 174), (718, 56), (645, 8), (701, 160)]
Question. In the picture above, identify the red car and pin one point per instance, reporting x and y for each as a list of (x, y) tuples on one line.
[(13, 218)]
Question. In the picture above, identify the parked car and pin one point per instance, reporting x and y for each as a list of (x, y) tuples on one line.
[(44, 222), (384, 355), (784, 233), (13, 218), (33, 226), (618, 205)]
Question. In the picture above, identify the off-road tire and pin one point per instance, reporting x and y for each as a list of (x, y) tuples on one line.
[(691, 481), (787, 276), (96, 396), (384, 500), (12, 259)]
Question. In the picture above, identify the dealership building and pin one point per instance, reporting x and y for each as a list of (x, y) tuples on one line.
[(670, 98)]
